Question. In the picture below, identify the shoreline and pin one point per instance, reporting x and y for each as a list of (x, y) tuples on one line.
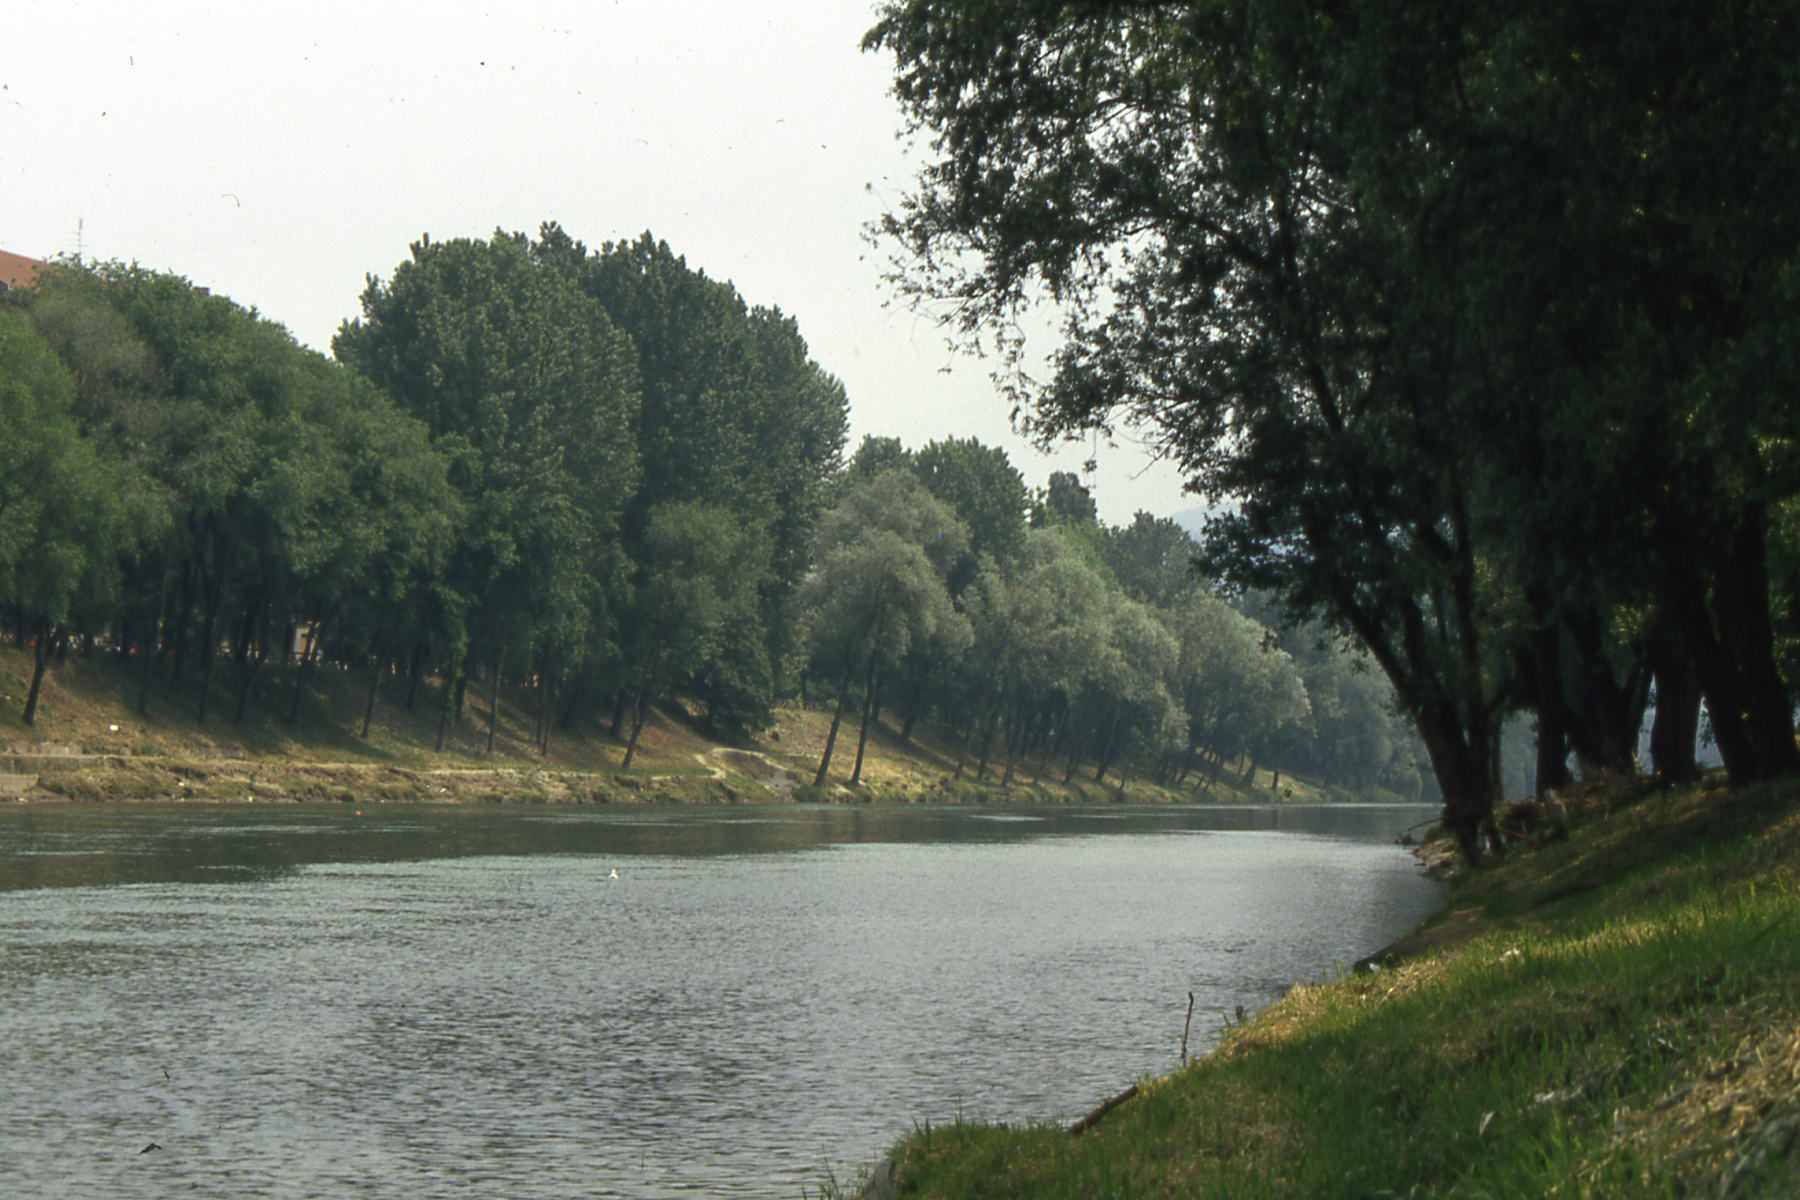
[(882, 1179), (723, 776), (1601, 1012)]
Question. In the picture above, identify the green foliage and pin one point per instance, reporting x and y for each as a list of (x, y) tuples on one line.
[(987, 494), (531, 393), (698, 587), (460, 503), (1153, 559), (61, 519), (1065, 501), (1240, 693), (735, 414), (876, 456), (1423, 295)]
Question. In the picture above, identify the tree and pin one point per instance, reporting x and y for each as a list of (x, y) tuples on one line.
[(735, 414), (1047, 631), (1066, 500), (232, 449), (1293, 245), (876, 456), (869, 599), (59, 509), (879, 590), (985, 491), (701, 568), (1238, 691), (531, 391), (1126, 689), (1172, 177), (1153, 559)]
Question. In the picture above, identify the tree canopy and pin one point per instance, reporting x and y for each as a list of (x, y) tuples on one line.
[(1419, 292)]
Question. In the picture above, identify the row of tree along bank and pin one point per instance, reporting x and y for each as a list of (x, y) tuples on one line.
[(604, 475), (1481, 320)]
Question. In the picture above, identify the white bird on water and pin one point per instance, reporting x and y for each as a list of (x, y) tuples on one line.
[(615, 873)]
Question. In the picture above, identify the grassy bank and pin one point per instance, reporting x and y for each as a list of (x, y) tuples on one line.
[(1615, 1014), (91, 743)]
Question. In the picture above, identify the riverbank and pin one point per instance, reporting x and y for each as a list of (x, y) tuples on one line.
[(1614, 1012), (91, 743)]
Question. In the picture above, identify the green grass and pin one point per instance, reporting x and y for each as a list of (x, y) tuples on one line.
[(1614, 1015)]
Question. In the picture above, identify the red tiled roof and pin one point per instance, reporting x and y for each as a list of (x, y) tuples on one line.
[(18, 271)]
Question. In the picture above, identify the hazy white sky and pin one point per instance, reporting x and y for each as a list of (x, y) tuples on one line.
[(278, 151)]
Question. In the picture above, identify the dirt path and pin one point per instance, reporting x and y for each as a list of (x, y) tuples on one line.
[(754, 764)]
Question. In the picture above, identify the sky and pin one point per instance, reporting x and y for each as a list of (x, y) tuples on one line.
[(279, 152)]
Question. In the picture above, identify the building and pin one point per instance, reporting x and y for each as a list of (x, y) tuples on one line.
[(17, 271)]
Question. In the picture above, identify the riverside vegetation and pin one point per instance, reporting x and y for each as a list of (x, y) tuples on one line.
[(1614, 1012), (91, 745), (565, 487)]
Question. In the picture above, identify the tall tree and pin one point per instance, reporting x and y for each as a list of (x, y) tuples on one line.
[(1293, 244), (531, 391), (1153, 559), (735, 414), (879, 590), (984, 490), (701, 568), (59, 506)]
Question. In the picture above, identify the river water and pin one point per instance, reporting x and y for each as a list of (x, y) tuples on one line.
[(297, 1002)]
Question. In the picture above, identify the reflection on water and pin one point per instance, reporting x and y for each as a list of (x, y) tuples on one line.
[(433, 1002)]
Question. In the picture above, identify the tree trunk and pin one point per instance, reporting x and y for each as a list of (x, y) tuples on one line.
[(40, 660), (1461, 759), (638, 710), (620, 696), (415, 670), (374, 686), (249, 660), (1747, 632), (1552, 754), (837, 719), (152, 643), (247, 680), (871, 714), (300, 672), (576, 686), (1109, 746), (1676, 725), (494, 693), (184, 615), (208, 634), (449, 700), (1731, 644), (1605, 722), (547, 702), (987, 741), (1011, 742), (538, 716)]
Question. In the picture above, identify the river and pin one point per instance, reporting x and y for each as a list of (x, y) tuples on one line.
[(295, 1002)]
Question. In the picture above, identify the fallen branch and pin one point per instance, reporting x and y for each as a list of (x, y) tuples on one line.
[(1185, 1025), (1088, 1122)]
